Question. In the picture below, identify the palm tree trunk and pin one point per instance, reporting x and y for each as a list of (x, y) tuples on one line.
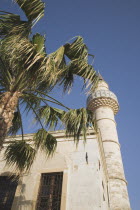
[(8, 104)]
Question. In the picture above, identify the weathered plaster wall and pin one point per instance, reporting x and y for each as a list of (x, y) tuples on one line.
[(84, 183)]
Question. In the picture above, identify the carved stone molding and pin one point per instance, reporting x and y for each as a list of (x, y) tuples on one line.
[(103, 98)]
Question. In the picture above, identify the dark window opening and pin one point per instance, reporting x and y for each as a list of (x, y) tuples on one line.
[(8, 187), (49, 196)]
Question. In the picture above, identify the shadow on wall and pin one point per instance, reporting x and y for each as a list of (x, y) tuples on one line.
[(13, 193), (20, 202)]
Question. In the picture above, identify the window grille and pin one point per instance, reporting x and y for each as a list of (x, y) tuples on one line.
[(8, 187), (49, 197)]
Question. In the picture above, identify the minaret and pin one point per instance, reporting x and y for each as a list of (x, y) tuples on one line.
[(104, 105)]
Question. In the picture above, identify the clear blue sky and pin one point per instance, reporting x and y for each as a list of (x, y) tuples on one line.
[(111, 30)]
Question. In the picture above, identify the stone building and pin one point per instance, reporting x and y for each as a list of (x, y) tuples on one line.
[(87, 177)]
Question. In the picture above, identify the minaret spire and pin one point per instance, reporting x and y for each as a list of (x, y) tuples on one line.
[(100, 76), (104, 104)]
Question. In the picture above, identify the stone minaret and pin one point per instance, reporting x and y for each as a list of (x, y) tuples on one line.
[(104, 105)]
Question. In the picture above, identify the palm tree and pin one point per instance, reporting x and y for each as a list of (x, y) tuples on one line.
[(27, 76)]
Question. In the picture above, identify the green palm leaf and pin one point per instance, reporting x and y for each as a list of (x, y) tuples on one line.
[(20, 154), (39, 42), (78, 53), (45, 141), (54, 66), (33, 9), (77, 122), (16, 124), (5, 75), (29, 102), (76, 49), (59, 71), (51, 116), (22, 61)]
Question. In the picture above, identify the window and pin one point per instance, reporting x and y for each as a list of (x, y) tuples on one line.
[(8, 187), (49, 197)]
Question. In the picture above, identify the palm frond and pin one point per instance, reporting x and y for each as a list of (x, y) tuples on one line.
[(51, 116), (46, 97), (77, 122), (20, 154), (11, 24), (55, 66), (29, 101), (34, 99), (45, 141), (39, 42), (67, 79), (58, 71), (24, 62), (5, 75), (76, 49), (16, 124), (33, 9), (81, 68), (77, 52), (19, 49)]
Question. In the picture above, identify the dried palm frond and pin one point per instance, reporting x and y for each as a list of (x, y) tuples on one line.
[(33, 9), (11, 24), (55, 66)]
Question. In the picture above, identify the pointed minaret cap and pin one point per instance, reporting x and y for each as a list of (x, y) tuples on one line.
[(100, 76), (102, 84)]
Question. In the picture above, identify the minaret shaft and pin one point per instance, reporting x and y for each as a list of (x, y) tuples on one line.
[(104, 104), (118, 195)]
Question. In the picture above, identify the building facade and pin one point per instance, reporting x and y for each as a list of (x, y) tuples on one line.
[(87, 177)]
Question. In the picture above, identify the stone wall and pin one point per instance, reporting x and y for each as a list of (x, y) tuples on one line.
[(84, 177)]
